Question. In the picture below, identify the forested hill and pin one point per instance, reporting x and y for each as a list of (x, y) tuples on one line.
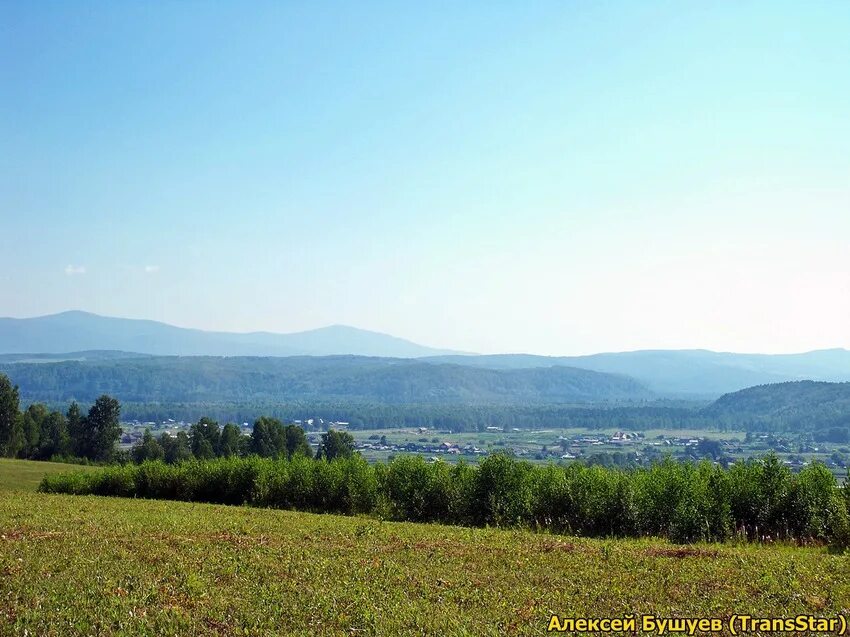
[(348, 378), (804, 405)]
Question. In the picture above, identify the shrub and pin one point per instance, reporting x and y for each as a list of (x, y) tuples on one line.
[(73, 483), (686, 503), (552, 505), (406, 484), (157, 481), (502, 491)]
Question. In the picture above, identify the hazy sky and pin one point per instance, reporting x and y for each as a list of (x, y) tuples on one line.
[(556, 178)]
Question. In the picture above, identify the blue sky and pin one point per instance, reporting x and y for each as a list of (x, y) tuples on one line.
[(557, 178)]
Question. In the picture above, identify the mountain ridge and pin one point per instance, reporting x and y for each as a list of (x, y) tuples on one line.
[(695, 373), (77, 330), (692, 374)]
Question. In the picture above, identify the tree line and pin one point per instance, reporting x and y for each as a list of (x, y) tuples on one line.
[(270, 438), (755, 500), (38, 433), (454, 418)]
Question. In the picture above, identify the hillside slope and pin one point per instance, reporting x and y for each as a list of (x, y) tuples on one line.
[(350, 378), (806, 405), (114, 566)]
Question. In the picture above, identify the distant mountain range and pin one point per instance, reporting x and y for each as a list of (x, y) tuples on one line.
[(690, 374), (77, 331), (697, 374)]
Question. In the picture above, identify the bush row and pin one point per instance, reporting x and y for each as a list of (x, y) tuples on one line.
[(684, 502)]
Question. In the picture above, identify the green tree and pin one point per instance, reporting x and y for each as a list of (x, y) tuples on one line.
[(268, 438), (9, 412), (176, 449), (336, 444), (271, 439), (205, 438), (31, 421), (54, 439), (845, 489), (775, 484), (101, 429), (17, 439), (710, 448), (230, 443), (296, 442), (75, 428), (147, 449)]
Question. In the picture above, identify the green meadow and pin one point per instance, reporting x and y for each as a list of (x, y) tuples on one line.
[(86, 565), (25, 475)]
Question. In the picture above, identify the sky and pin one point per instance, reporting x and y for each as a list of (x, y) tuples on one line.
[(550, 177)]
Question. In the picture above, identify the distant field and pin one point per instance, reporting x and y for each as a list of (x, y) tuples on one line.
[(76, 565), (524, 442), (24, 475)]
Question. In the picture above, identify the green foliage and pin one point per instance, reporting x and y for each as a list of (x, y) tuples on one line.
[(75, 428), (417, 491), (296, 442), (193, 379), (9, 414), (100, 429), (134, 567), (54, 439), (390, 393), (36, 433), (800, 405), (176, 449), (502, 491), (26, 475), (147, 449), (336, 444), (230, 443), (683, 502), (205, 438), (272, 439), (31, 421)]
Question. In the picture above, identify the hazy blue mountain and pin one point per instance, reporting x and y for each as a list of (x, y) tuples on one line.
[(691, 373), (78, 331), (698, 374), (347, 378)]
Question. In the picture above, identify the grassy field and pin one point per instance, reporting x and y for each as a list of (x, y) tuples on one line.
[(24, 475), (103, 566)]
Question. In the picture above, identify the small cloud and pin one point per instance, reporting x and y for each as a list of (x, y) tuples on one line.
[(71, 270), (151, 269)]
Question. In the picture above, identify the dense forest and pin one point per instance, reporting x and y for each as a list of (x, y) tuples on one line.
[(454, 418), (801, 405), (330, 378), (385, 393)]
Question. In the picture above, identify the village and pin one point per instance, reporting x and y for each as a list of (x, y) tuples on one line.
[(614, 447)]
